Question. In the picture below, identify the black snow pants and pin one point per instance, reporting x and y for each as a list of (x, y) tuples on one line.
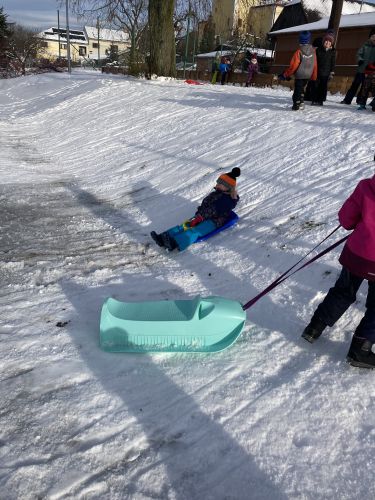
[(356, 83), (299, 91), (320, 89), (341, 296)]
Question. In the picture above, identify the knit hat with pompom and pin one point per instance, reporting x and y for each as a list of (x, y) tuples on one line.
[(229, 179)]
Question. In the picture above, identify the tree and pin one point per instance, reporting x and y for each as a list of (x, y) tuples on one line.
[(126, 15), (23, 45), (208, 37), (4, 30), (162, 59)]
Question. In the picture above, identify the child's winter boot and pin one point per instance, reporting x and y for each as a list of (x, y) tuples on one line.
[(295, 106), (157, 238), (313, 330), (360, 353), (168, 241)]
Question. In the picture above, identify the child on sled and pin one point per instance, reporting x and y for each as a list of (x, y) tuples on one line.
[(214, 211)]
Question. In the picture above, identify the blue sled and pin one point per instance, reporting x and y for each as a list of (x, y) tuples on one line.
[(231, 222)]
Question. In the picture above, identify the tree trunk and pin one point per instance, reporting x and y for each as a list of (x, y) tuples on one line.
[(162, 38), (334, 19)]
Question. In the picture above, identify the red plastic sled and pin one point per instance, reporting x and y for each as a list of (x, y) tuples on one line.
[(193, 82)]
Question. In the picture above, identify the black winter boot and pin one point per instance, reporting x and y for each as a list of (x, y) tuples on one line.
[(360, 353), (168, 241), (313, 330), (157, 238)]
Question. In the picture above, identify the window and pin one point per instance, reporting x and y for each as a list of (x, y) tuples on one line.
[(82, 51), (95, 45), (63, 45)]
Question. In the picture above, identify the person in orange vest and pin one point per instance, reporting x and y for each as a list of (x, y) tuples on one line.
[(303, 66)]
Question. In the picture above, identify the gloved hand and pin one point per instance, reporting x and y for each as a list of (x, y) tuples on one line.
[(361, 61), (281, 77), (196, 220)]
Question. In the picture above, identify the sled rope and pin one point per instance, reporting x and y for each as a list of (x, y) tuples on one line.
[(287, 274)]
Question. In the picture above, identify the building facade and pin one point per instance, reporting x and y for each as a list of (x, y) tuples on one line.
[(252, 17), (85, 45), (353, 32)]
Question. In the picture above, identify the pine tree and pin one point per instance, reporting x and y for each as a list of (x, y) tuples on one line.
[(4, 31)]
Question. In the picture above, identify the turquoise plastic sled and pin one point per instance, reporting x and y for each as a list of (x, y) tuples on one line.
[(207, 324), (231, 222)]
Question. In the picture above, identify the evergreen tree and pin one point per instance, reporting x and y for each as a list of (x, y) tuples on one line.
[(4, 31)]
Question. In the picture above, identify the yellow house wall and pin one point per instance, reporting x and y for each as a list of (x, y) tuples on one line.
[(223, 17), (229, 15), (261, 19), (52, 51)]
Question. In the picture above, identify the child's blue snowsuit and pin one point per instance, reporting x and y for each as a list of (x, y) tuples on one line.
[(215, 209), (186, 238)]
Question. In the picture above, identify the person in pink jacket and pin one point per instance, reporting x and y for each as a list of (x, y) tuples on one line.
[(358, 261)]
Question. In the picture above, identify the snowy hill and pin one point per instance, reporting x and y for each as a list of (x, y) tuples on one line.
[(90, 164)]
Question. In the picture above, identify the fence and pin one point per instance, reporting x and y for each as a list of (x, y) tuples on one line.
[(338, 84)]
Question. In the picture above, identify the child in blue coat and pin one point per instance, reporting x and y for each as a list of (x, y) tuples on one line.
[(214, 211)]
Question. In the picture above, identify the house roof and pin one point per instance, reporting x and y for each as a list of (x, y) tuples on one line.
[(268, 54), (348, 21), (76, 36), (106, 34), (83, 36), (322, 8)]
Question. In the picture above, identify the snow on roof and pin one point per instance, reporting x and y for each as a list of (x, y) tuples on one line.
[(323, 7), (107, 34), (347, 21), (260, 52), (53, 34), (83, 36)]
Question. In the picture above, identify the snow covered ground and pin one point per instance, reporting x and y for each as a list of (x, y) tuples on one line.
[(90, 164)]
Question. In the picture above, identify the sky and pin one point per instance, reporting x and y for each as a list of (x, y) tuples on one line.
[(43, 13), (37, 13), (91, 163)]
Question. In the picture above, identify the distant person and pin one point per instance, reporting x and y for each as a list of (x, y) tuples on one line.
[(317, 42), (358, 263), (246, 61), (303, 66), (214, 211), (215, 68), (326, 61), (225, 68), (365, 55), (368, 86), (252, 69)]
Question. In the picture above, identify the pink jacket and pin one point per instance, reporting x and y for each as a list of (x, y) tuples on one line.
[(358, 213)]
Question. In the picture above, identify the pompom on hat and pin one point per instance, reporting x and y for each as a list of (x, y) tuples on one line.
[(228, 180), (304, 37)]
